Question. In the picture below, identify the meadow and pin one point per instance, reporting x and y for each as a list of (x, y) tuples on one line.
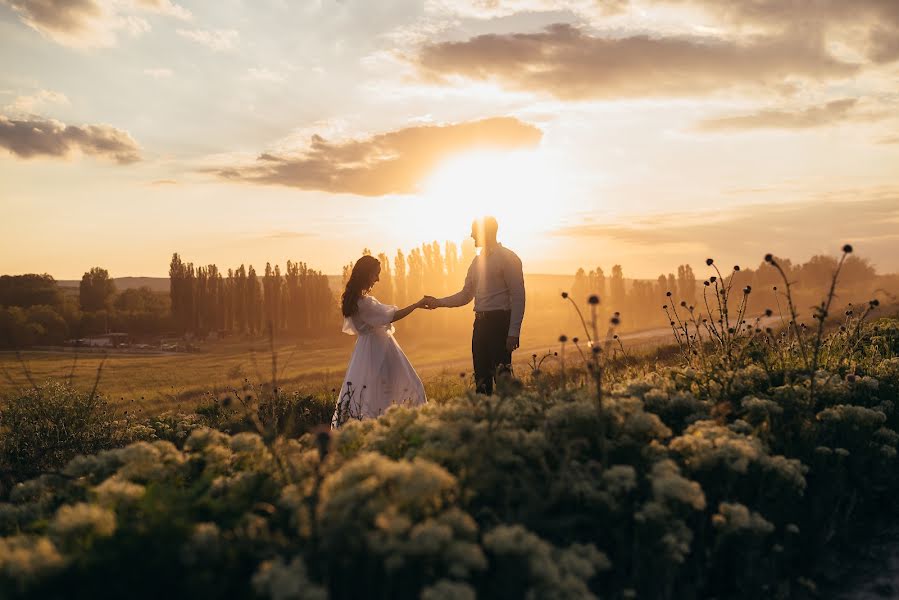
[(732, 463), (156, 381)]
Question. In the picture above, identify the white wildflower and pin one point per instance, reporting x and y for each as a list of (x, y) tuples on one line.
[(281, 581), (22, 556), (115, 491), (448, 590), (83, 519)]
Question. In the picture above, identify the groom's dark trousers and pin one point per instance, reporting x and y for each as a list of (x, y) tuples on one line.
[(488, 348)]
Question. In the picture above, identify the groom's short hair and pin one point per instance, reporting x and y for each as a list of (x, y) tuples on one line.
[(488, 225)]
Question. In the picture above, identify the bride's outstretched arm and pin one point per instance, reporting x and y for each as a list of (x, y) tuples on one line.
[(405, 312)]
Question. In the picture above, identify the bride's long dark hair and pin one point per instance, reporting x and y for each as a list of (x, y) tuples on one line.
[(361, 278)]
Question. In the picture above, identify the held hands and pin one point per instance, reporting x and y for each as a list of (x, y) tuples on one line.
[(428, 303)]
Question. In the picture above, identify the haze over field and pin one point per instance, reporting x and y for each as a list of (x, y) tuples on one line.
[(648, 133)]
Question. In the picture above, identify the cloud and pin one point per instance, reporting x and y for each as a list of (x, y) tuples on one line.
[(389, 163), (29, 104), (217, 40), (165, 7), (870, 26), (39, 137), (805, 118), (493, 9), (883, 45), (865, 218), (91, 23), (264, 74), (878, 19), (571, 64), (158, 73), (890, 139), (778, 13)]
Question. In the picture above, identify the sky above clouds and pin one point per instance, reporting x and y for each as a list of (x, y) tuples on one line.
[(647, 133)]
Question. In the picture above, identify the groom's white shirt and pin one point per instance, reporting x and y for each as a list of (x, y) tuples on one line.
[(496, 282)]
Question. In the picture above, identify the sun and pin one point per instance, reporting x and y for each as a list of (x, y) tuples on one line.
[(520, 189)]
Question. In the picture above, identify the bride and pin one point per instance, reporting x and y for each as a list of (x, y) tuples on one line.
[(379, 374)]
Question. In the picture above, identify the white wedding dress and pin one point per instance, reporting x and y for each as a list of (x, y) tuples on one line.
[(379, 374)]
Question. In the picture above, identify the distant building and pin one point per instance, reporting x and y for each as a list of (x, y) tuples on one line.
[(107, 340)]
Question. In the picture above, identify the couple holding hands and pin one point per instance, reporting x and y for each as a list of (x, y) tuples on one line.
[(379, 374)]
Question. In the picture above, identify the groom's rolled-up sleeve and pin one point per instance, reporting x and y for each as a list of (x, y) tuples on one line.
[(465, 295), (514, 276)]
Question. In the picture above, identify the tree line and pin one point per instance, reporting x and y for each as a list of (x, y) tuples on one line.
[(204, 300), (640, 302), (34, 310)]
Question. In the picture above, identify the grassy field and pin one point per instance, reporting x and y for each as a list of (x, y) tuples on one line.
[(158, 382)]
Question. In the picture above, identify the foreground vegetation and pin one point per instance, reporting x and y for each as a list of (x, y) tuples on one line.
[(724, 474)]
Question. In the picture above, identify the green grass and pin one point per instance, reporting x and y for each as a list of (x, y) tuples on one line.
[(153, 383)]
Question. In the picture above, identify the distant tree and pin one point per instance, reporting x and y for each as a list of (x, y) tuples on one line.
[(817, 272), (271, 293), (189, 290), (240, 299), (139, 300), (15, 330), (399, 278), (579, 288), (415, 279), (29, 290), (384, 288), (96, 290), (47, 325), (661, 287), (616, 289), (228, 301), (767, 276), (596, 281), (434, 269), (454, 274), (254, 302), (177, 281), (856, 270), (686, 284)]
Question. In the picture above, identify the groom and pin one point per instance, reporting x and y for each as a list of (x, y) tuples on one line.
[(496, 283)]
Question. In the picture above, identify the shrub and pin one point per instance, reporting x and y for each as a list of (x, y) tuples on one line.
[(44, 427)]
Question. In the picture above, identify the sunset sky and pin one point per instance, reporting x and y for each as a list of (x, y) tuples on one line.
[(642, 132)]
